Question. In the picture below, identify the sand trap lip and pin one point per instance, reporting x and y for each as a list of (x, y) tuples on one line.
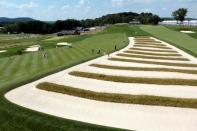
[(187, 32), (3, 51), (126, 116)]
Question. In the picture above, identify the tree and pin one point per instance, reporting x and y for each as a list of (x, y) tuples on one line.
[(149, 18), (180, 14)]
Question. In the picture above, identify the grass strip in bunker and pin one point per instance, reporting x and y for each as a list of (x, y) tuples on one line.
[(119, 98), (141, 49), (151, 57), (152, 54), (149, 43), (144, 69), (154, 62), (140, 80), (150, 46)]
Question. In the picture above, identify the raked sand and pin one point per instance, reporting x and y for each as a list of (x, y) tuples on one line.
[(126, 116)]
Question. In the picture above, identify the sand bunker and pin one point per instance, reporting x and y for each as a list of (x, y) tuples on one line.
[(126, 116), (64, 44), (187, 32), (3, 51), (33, 48)]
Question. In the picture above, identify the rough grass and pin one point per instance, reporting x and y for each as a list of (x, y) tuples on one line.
[(141, 80), (152, 54), (144, 69), (153, 62), (152, 57), (167, 51), (119, 98), (151, 46)]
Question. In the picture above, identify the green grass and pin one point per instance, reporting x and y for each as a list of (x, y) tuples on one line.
[(153, 50), (151, 57), (154, 62), (151, 44), (29, 67), (141, 80), (152, 54), (144, 69), (181, 40), (119, 98), (189, 28)]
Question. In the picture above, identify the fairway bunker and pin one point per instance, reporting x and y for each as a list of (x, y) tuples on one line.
[(187, 32), (3, 51), (142, 117)]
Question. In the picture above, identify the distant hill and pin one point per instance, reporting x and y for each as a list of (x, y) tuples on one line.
[(5, 20)]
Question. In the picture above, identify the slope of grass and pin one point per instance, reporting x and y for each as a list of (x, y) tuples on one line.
[(144, 69), (141, 80), (119, 98), (181, 40), (152, 46), (153, 50)]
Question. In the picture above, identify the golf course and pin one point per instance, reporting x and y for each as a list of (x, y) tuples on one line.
[(114, 79)]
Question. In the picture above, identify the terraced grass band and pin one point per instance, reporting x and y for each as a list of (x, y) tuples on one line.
[(141, 49), (152, 54), (149, 46), (119, 98), (141, 80), (154, 62), (152, 57), (144, 69)]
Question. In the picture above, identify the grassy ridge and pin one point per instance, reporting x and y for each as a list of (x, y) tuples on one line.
[(152, 54), (119, 98), (141, 80), (144, 69), (153, 62), (151, 57), (152, 50)]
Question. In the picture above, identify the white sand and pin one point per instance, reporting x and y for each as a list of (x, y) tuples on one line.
[(33, 48), (127, 116), (64, 44), (187, 32), (3, 51)]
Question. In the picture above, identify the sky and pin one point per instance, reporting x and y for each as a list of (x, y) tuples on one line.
[(51, 10)]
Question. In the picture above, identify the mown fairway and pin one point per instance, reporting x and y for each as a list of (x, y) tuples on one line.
[(181, 40)]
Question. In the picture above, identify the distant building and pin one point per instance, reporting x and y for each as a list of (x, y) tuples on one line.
[(68, 32), (134, 22)]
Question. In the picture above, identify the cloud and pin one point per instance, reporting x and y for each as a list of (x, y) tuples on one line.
[(5, 4)]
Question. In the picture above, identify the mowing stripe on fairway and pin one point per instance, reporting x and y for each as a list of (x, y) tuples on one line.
[(157, 47), (144, 69), (151, 57), (152, 54), (140, 80), (142, 49), (153, 62), (119, 98)]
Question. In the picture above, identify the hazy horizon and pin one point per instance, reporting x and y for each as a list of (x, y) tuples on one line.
[(50, 10)]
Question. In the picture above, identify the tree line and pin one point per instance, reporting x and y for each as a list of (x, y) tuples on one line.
[(39, 27)]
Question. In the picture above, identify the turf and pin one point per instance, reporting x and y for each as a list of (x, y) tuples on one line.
[(157, 47), (151, 44), (181, 40), (119, 98), (144, 69), (154, 62), (141, 80), (151, 57)]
